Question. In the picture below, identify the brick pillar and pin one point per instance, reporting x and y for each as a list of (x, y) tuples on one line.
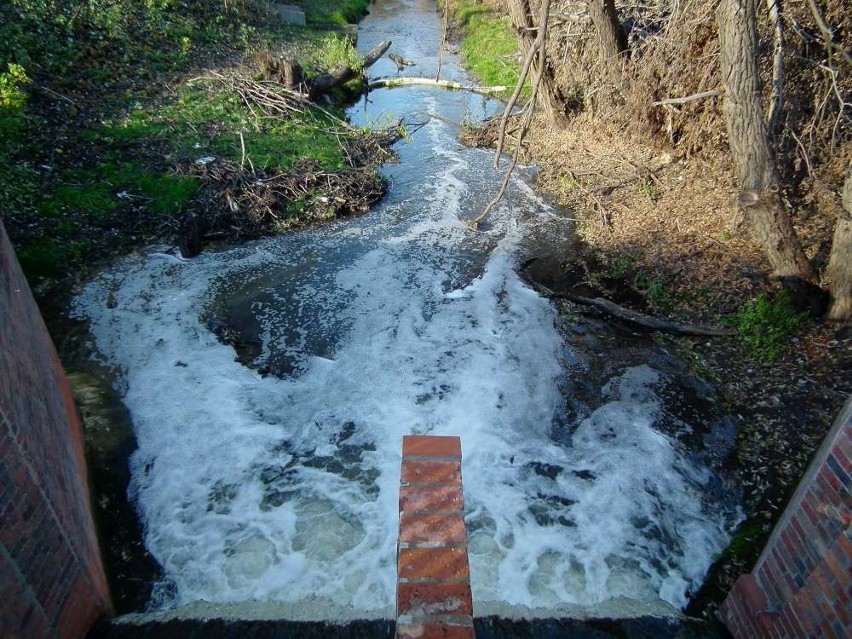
[(52, 582), (433, 599), (801, 585)]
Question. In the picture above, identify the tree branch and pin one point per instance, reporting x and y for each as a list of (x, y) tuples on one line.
[(390, 83), (640, 320), (715, 93)]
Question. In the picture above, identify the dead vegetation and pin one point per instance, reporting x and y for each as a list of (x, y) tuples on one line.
[(237, 202), (644, 154)]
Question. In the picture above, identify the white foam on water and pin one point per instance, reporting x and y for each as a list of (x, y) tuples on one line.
[(285, 490)]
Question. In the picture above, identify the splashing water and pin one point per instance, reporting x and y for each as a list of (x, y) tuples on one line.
[(285, 490)]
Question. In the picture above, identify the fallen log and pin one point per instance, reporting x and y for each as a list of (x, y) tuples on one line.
[(637, 319), (343, 73), (390, 83)]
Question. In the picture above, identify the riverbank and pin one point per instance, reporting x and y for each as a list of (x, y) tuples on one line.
[(661, 233), (117, 142)]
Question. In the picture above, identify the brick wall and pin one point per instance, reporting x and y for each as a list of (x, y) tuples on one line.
[(433, 599), (801, 585), (51, 578)]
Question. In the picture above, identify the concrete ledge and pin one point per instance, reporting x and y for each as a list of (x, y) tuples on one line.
[(289, 13)]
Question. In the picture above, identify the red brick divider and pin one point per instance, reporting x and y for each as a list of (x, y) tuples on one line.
[(433, 599)]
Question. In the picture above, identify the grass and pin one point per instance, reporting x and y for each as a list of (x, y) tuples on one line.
[(766, 326), (489, 46), (118, 177), (321, 12)]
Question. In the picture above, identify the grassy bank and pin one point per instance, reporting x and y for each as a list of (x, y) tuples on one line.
[(488, 43), (108, 107)]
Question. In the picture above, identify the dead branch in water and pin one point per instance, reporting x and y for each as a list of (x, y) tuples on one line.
[(390, 83), (637, 319)]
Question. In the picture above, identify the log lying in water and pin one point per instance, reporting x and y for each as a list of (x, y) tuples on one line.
[(343, 73), (640, 320), (443, 84)]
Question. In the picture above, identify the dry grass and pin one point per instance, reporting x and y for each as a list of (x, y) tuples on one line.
[(653, 184)]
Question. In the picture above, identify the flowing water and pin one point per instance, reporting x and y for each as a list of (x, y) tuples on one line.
[(280, 493)]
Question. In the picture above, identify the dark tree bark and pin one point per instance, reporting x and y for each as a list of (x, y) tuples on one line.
[(839, 273), (751, 152), (523, 15), (611, 36)]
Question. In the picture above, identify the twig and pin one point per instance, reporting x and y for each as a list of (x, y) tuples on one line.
[(56, 95), (640, 320), (443, 38), (804, 154), (843, 104), (827, 33), (690, 98), (538, 44)]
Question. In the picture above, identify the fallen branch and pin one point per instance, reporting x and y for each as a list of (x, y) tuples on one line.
[(391, 83), (715, 93), (640, 320), (343, 73)]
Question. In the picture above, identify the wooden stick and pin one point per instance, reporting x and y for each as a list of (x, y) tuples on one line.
[(637, 319), (715, 93)]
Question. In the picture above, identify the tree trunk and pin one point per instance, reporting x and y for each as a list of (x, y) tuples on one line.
[(523, 20), (750, 150), (611, 36), (839, 273)]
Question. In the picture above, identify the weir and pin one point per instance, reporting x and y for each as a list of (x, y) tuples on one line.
[(433, 596)]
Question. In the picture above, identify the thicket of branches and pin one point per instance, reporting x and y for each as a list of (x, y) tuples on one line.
[(674, 52), (659, 80)]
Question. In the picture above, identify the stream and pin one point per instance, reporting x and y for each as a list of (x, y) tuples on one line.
[(593, 461)]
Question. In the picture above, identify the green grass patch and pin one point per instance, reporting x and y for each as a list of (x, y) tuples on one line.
[(488, 45), (94, 197), (766, 325), (323, 12), (205, 119), (166, 194), (47, 257)]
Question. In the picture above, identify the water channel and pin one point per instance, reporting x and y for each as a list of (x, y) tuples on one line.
[(277, 495)]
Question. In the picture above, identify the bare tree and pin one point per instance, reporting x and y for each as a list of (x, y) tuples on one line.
[(611, 36), (526, 27), (839, 273), (752, 155)]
